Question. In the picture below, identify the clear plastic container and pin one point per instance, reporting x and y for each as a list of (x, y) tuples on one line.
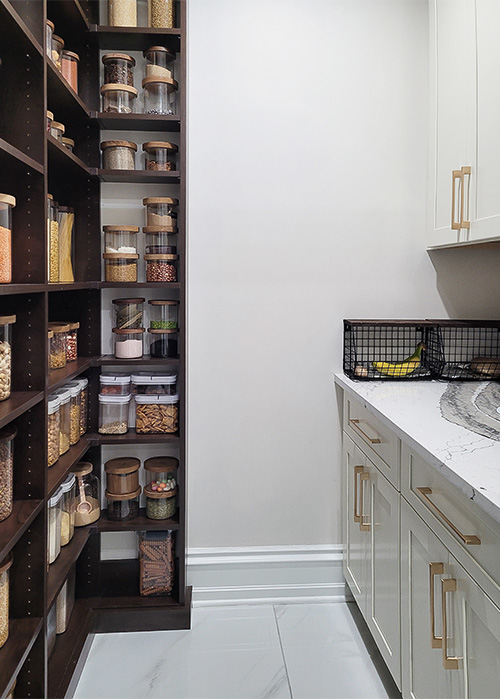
[(128, 313), (118, 155), (161, 14), (65, 603), (113, 414), (68, 507), (7, 203), (88, 505), (148, 383), (52, 239), (122, 475), (159, 62), (114, 384), (54, 526), (66, 223), (128, 343), (163, 314), (4, 598), (64, 419), (57, 48), (124, 507), (160, 503), (69, 68), (120, 239), (50, 119), (117, 98), (72, 342), (160, 240), (118, 69), (156, 563), (159, 95), (54, 429), (156, 414), (74, 411), (68, 143), (162, 471), (162, 343), (84, 403), (161, 213), (7, 436), (57, 130), (49, 31), (161, 268), (58, 345), (122, 13), (5, 355), (159, 155), (120, 268)]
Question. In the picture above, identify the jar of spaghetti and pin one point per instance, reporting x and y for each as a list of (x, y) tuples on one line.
[(128, 313), (159, 155), (159, 62), (52, 239), (118, 69), (69, 68), (7, 203)]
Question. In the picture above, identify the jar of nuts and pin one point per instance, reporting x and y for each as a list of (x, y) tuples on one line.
[(64, 395), (4, 598), (58, 345), (5, 355), (118, 69), (159, 62), (161, 212), (161, 268), (113, 414), (156, 414), (159, 95), (120, 267), (7, 436), (74, 411), (117, 98), (159, 155), (53, 431)]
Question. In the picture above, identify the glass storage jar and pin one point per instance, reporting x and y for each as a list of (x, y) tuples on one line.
[(65, 603), (162, 470), (53, 431), (149, 383), (159, 62), (156, 414), (128, 313), (122, 13), (118, 99), (84, 403), (161, 14), (54, 526), (7, 203), (118, 69), (161, 268), (163, 314), (58, 345), (114, 384), (50, 335), (10, 694), (49, 31), (57, 48), (69, 68), (160, 503), (64, 419), (7, 436), (124, 507), (162, 343), (74, 411), (120, 267), (121, 239), (68, 143), (57, 130), (113, 414), (50, 119), (159, 95), (66, 224), (72, 342), (52, 239), (158, 154), (5, 355), (160, 240), (4, 598), (161, 212), (118, 155), (122, 475), (88, 505), (51, 629), (68, 507), (128, 343)]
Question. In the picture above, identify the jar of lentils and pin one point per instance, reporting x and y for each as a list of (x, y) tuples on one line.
[(159, 95), (118, 155), (118, 68), (159, 155), (118, 99), (159, 62), (7, 436), (161, 14), (160, 503), (120, 268), (161, 268)]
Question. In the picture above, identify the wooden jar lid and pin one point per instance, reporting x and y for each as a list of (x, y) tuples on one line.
[(160, 200), (169, 82), (163, 331), (126, 302), (153, 145), (82, 468), (117, 229), (159, 494), (120, 256), (161, 257), (123, 56), (59, 327), (122, 465), (70, 142), (58, 39), (129, 331), (123, 496), (51, 24), (7, 320), (161, 464), (57, 125), (118, 144), (115, 87), (161, 302), (71, 54), (7, 199), (160, 49), (156, 230)]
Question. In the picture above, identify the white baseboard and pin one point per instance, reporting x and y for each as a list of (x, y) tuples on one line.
[(266, 574)]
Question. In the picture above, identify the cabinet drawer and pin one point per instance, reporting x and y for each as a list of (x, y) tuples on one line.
[(380, 444), (469, 533)]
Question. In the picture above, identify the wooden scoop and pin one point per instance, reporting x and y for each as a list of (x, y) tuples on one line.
[(84, 505)]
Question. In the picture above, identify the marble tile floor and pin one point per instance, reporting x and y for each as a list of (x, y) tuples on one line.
[(298, 651)]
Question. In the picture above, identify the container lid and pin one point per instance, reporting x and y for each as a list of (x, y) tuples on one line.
[(74, 387), (50, 334), (159, 230), (7, 199), (53, 403), (146, 400), (83, 381), (118, 87), (160, 257), (153, 145), (6, 563), (120, 256), (159, 494), (162, 302), (55, 498), (124, 56), (51, 116), (160, 200), (161, 464), (126, 302), (117, 229), (71, 54), (72, 325), (160, 49), (68, 483), (64, 394), (123, 496), (145, 377), (8, 434), (163, 331), (58, 39), (66, 209), (50, 196), (82, 468), (59, 327), (129, 331), (169, 82), (114, 144), (122, 465), (119, 378), (105, 398), (57, 125), (70, 142), (51, 24), (7, 320)]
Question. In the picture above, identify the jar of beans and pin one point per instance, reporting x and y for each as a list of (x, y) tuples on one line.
[(161, 212), (122, 13), (123, 507), (120, 267), (5, 355), (117, 98), (72, 342), (162, 470), (161, 14), (118, 68), (159, 155), (7, 203), (149, 383), (58, 345), (160, 503), (114, 384), (159, 62), (118, 155), (69, 68), (161, 268), (53, 430), (4, 598), (7, 436), (84, 403), (113, 414), (160, 240), (64, 395), (162, 344), (68, 143), (74, 411), (128, 313), (57, 48), (163, 314), (159, 95), (128, 343), (156, 414), (120, 239), (53, 239), (122, 475)]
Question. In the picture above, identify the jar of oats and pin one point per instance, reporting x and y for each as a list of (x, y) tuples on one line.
[(118, 155), (7, 436), (53, 432), (5, 355), (4, 598)]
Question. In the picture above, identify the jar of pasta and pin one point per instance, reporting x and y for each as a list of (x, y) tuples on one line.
[(64, 395), (74, 411), (52, 239)]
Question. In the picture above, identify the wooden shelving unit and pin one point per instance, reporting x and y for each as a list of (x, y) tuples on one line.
[(33, 164)]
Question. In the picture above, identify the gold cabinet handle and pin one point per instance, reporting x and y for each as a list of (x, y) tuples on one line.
[(469, 539), (362, 526), (358, 470), (455, 175), (447, 585), (464, 172), (372, 440), (434, 569)]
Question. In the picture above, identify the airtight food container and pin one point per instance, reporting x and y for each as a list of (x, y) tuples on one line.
[(64, 395), (113, 414), (160, 240), (7, 436), (5, 355), (156, 414), (4, 598), (128, 312), (162, 471), (159, 62), (122, 475), (54, 526), (118, 69), (149, 383), (118, 99), (53, 431), (7, 204), (128, 343), (159, 95), (114, 384), (160, 155), (163, 314)]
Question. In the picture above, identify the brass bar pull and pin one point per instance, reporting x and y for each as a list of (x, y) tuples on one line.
[(449, 663), (464, 209), (362, 526), (434, 569), (455, 175), (372, 440), (469, 539), (357, 471)]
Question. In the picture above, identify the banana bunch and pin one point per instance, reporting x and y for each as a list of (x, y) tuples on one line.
[(398, 369)]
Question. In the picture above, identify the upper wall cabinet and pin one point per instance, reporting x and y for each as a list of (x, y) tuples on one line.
[(464, 172)]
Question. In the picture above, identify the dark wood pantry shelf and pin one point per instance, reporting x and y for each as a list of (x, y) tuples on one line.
[(62, 97), (18, 403), (131, 437), (72, 286), (138, 122), (141, 523), (22, 635), (135, 38), (12, 528), (15, 158), (11, 20), (11, 289), (57, 377), (140, 285), (140, 176), (64, 160), (67, 15), (58, 472), (109, 359), (59, 570)]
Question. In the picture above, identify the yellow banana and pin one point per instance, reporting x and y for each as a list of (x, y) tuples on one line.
[(407, 366)]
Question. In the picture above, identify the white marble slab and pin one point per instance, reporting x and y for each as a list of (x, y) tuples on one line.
[(412, 410)]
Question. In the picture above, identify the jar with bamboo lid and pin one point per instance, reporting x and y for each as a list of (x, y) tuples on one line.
[(123, 507), (118, 155), (66, 225), (161, 268), (87, 496), (7, 204), (57, 130), (128, 313), (118, 98), (128, 343), (64, 395), (163, 314), (120, 239), (159, 62), (50, 119), (122, 475), (68, 143), (159, 95), (162, 470), (160, 240), (69, 68), (58, 345), (49, 31), (5, 355), (160, 504), (161, 211), (57, 48), (118, 69), (162, 343), (120, 267), (159, 155)]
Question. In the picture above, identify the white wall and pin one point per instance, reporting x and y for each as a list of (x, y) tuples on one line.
[(307, 167)]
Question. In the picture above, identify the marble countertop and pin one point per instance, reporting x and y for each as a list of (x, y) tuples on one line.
[(412, 410)]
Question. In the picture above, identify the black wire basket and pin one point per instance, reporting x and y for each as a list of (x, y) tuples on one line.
[(466, 350)]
